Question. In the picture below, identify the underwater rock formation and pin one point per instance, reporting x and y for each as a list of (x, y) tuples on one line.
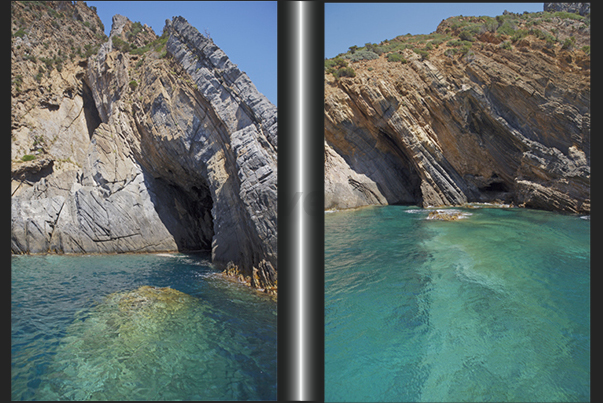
[(122, 340)]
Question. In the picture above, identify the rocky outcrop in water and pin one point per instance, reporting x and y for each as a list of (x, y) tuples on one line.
[(126, 337), (483, 109), (446, 215), (147, 144)]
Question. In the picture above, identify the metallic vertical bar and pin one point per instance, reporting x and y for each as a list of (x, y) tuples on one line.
[(301, 201)]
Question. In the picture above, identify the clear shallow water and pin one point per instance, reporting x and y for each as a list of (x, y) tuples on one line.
[(69, 341), (494, 307)]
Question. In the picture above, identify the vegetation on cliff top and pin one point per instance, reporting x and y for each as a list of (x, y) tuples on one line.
[(31, 21), (459, 35)]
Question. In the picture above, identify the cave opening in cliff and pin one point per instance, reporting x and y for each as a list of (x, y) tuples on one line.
[(91, 114), (495, 187), (186, 213), (407, 190)]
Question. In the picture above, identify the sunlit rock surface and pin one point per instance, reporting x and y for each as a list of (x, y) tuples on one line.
[(144, 144), (499, 118)]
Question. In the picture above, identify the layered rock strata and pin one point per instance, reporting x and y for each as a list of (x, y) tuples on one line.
[(500, 121), (167, 149)]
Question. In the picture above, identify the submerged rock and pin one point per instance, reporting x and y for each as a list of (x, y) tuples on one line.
[(149, 301), (447, 215), (144, 314), (127, 344)]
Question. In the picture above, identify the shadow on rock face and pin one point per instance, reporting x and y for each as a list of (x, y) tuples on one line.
[(186, 215)]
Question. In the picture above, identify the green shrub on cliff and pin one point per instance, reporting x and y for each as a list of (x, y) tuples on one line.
[(506, 45), (541, 34), (569, 43), (507, 28), (344, 72), (140, 51), (423, 53), (519, 34), (338, 66), (490, 24), (160, 42), (450, 52), (467, 35), (571, 16), (20, 33), (335, 63), (363, 55), (458, 43), (374, 48), (136, 29), (91, 50), (396, 57), (17, 82), (120, 44)]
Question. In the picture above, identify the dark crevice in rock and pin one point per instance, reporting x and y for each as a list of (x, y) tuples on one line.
[(51, 107), (495, 187), (33, 172), (410, 178), (91, 114), (185, 214)]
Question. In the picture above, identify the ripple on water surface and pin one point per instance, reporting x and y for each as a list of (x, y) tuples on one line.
[(494, 307), (138, 327)]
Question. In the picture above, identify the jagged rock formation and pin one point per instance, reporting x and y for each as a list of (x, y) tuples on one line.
[(150, 144), (579, 8), (481, 110)]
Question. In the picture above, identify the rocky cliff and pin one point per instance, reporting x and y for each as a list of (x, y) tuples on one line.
[(579, 8), (142, 144), (483, 109)]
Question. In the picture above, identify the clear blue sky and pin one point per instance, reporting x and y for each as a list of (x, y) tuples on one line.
[(244, 30), (348, 24)]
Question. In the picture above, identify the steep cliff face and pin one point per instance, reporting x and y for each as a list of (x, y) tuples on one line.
[(483, 109), (163, 145)]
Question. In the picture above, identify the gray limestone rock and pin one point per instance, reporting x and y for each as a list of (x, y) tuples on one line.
[(240, 167), (33, 222), (185, 161)]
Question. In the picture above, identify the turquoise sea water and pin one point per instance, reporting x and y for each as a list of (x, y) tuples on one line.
[(494, 307), (69, 341)]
